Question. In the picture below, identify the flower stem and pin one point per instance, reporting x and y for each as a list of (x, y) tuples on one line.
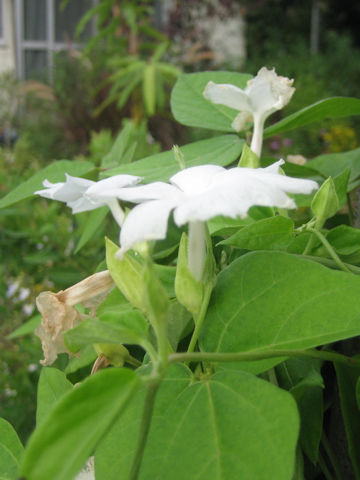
[(257, 138), (330, 249), (256, 355), (152, 389), (116, 210), (200, 318)]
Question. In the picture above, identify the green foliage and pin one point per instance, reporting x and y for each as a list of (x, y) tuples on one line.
[(76, 421)]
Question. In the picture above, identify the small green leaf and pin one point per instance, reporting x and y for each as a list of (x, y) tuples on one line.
[(325, 202), (11, 451), (341, 183), (334, 107), (125, 327), (26, 328), (274, 233), (92, 225), (149, 88), (52, 385), (62, 443), (54, 173), (345, 239), (221, 150), (190, 107), (87, 356)]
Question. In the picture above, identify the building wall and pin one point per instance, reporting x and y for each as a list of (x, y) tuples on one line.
[(7, 43)]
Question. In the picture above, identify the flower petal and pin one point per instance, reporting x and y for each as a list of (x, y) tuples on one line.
[(194, 180), (151, 191), (228, 95), (103, 189), (70, 190), (147, 221)]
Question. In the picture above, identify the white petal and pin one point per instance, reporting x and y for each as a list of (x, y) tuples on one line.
[(82, 204), (68, 191), (100, 190), (147, 221), (228, 95), (194, 180), (151, 191), (241, 121), (274, 167)]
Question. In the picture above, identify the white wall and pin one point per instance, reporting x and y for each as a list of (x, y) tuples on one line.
[(7, 44)]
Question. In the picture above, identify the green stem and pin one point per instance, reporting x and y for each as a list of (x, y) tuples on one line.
[(330, 263), (133, 361), (330, 249), (152, 389), (200, 318), (255, 355)]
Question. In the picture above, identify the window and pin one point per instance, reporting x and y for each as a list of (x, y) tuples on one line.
[(2, 23), (42, 28)]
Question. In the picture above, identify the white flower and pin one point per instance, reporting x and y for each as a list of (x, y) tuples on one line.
[(199, 193), (82, 195), (263, 95)]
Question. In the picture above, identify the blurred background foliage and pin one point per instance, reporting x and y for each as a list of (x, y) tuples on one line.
[(125, 73)]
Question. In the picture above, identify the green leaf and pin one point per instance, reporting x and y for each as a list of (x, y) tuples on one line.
[(232, 425), (11, 451), (333, 164), (272, 233), (62, 443), (87, 356), (125, 327), (333, 107), (341, 183), (116, 154), (303, 379), (348, 378), (52, 385), (149, 88), (221, 150), (92, 225), (344, 239), (190, 107), (272, 300), (26, 328), (226, 225), (54, 173)]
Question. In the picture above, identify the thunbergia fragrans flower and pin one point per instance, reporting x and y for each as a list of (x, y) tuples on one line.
[(82, 195), (197, 194), (263, 95)]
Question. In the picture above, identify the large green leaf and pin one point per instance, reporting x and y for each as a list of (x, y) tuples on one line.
[(93, 224), (344, 239), (62, 443), (221, 150), (54, 173), (271, 300), (274, 233), (11, 451), (232, 425), (190, 107), (333, 107), (332, 164), (303, 379), (52, 385)]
